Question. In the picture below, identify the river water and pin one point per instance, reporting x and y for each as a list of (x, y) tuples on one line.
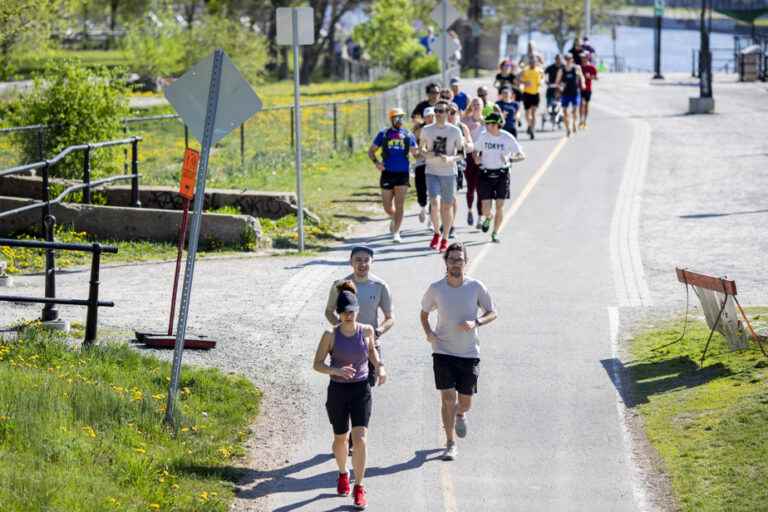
[(635, 46)]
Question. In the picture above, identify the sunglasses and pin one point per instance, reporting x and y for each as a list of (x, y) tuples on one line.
[(439, 111), (434, 92)]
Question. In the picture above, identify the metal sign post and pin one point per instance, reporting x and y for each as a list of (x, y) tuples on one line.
[(295, 27), (444, 14), (200, 89), (658, 10)]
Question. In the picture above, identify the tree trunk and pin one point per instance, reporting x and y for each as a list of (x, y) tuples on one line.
[(113, 6), (329, 65)]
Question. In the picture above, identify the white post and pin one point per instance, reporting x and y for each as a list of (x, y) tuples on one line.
[(587, 18), (297, 124)]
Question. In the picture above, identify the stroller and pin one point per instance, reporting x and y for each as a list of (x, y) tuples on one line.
[(554, 112)]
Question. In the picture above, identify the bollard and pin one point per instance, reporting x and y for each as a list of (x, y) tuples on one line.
[(87, 175), (50, 313), (93, 297), (135, 172)]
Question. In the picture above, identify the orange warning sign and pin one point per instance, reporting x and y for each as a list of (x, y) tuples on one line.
[(189, 173)]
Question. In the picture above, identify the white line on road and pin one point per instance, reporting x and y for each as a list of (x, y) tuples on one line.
[(624, 246), (638, 489)]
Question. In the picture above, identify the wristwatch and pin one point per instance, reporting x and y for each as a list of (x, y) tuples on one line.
[(377, 333)]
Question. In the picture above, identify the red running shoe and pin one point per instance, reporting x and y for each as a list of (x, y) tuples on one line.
[(444, 245), (342, 485), (435, 241), (359, 495)]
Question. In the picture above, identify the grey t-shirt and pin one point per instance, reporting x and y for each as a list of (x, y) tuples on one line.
[(454, 306), (441, 140), (371, 294)]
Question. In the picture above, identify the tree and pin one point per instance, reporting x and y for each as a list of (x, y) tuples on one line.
[(387, 30), (24, 25), (323, 20)]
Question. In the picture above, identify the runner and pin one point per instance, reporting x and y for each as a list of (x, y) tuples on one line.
[(351, 347), (506, 75), (474, 120), (482, 93), (441, 143), (447, 95), (550, 73), (571, 81), (510, 108), (433, 94), (590, 73), (576, 51), (396, 144), (454, 117), (495, 149), (531, 79), (455, 342), (419, 178), (459, 97)]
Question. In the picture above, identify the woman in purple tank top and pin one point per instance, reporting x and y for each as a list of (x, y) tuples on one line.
[(350, 345)]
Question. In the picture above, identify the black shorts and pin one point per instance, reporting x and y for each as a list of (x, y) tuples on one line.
[(348, 401), (392, 179), (530, 100), (586, 96), (493, 184), (458, 373), (551, 95)]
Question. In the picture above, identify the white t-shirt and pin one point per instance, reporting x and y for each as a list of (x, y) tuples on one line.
[(441, 140), (454, 306), (496, 150)]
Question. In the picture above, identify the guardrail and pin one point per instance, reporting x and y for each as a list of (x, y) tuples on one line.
[(49, 225), (92, 302)]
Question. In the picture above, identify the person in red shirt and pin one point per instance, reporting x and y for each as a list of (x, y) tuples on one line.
[(590, 73)]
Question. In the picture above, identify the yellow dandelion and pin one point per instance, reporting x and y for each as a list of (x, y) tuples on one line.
[(140, 450), (203, 496), (154, 506)]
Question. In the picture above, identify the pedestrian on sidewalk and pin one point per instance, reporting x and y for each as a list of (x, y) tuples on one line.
[(571, 81), (442, 144), (590, 73), (495, 149), (396, 144), (455, 342), (419, 166), (351, 348), (474, 120)]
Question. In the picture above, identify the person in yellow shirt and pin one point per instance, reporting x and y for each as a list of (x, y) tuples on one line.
[(531, 79)]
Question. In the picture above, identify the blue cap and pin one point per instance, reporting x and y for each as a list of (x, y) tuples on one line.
[(359, 248)]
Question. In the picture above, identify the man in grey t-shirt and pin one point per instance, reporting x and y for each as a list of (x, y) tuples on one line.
[(455, 342), (441, 143)]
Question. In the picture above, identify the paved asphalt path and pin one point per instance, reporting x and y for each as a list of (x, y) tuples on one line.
[(544, 432)]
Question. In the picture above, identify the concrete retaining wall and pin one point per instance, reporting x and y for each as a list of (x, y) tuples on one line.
[(122, 223), (272, 205)]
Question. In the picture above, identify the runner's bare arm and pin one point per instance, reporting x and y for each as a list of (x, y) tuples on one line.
[(387, 324), (373, 355), (330, 307), (559, 77), (372, 155), (431, 336)]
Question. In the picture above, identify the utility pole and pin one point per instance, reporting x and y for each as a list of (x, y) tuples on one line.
[(587, 18), (658, 8)]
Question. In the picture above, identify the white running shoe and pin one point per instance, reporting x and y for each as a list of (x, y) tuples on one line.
[(422, 215), (396, 237), (451, 451)]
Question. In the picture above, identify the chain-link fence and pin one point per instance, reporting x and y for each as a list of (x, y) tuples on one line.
[(264, 142)]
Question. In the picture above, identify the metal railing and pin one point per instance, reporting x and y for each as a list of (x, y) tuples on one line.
[(723, 60), (49, 312), (92, 302)]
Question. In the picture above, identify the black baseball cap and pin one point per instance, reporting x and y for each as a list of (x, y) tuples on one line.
[(494, 118), (363, 248), (347, 301)]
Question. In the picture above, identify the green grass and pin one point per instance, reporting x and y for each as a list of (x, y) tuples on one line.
[(83, 430), (708, 424), (31, 64)]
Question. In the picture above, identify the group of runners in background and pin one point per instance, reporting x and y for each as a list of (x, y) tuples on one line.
[(455, 139)]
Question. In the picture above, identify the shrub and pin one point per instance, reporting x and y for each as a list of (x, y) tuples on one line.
[(424, 65), (405, 55), (246, 48), (155, 48), (78, 106)]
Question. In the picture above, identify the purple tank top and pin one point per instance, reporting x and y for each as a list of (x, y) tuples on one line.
[(350, 350)]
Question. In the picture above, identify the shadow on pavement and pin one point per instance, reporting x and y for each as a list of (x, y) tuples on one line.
[(719, 214), (278, 480), (635, 382)]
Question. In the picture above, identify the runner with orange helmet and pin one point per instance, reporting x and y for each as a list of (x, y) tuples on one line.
[(396, 144)]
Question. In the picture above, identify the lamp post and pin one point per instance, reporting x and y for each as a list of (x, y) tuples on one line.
[(658, 8)]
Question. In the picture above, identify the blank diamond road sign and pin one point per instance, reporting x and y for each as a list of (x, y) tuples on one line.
[(189, 96), (451, 13)]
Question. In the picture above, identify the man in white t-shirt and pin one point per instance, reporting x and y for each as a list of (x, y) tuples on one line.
[(441, 143), (463, 305), (494, 150)]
